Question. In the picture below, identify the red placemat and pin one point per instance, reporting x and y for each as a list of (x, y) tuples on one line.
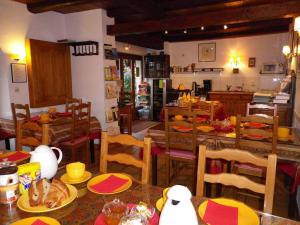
[(39, 222), (64, 114), (16, 156), (109, 185), (35, 118), (101, 219), (217, 214)]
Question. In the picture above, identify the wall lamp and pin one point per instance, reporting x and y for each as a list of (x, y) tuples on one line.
[(235, 62), (297, 24)]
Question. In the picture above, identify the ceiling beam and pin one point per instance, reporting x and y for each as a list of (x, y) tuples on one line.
[(287, 9), (143, 40), (56, 5)]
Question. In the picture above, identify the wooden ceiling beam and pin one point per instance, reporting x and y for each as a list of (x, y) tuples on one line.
[(57, 5), (285, 9), (143, 40)]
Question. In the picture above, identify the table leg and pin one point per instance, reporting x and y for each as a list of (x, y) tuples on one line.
[(154, 169), (92, 151), (7, 144)]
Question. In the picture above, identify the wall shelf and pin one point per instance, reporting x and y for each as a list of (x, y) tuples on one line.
[(201, 70), (85, 48)]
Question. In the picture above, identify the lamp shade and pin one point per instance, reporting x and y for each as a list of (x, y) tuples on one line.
[(297, 24), (286, 50)]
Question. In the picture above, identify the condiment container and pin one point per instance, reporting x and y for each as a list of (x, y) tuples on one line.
[(114, 211), (9, 182)]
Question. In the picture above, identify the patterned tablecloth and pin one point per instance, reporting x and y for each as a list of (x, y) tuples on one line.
[(58, 132)]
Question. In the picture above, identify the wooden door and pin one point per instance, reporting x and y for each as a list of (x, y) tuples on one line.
[(49, 72)]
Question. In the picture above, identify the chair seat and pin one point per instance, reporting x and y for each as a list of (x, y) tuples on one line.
[(6, 135), (77, 141), (95, 135), (293, 171)]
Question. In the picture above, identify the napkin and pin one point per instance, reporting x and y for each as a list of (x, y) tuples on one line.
[(217, 214), (15, 156), (39, 222), (35, 118), (109, 184), (64, 114)]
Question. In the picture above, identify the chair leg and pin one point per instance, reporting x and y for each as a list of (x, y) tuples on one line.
[(7, 144), (87, 154), (92, 147), (168, 171), (154, 169)]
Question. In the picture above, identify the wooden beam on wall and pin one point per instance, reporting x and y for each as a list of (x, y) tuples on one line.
[(144, 40), (287, 9)]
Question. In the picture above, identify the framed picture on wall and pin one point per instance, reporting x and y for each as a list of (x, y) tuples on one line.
[(18, 73), (251, 62), (207, 52)]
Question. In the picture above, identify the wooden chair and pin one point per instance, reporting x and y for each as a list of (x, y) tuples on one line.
[(125, 118), (269, 132), (80, 130), (180, 146), (20, 112), (124, 158), (72, 101), (262, 108), (204, 108), (31, 134), (241, 182)]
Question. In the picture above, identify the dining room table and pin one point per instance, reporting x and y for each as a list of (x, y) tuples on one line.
[(59, 128), (88, 206)]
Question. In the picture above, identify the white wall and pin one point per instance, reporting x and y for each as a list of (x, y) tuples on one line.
[(17, 24), (265, 48)]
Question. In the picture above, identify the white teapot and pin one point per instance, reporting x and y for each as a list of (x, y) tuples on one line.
[(46, 157)]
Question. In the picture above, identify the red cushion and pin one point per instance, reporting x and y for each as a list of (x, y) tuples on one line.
[(76, 141), (251, 167), (95, 135), (293, 171), (5, 135)]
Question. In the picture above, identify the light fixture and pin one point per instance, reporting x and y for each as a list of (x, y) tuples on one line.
[(15, 56), (166, 32), (286, 50), (297, 24), (16, 51), (185, 31), (127, 48), (235, 62), (202, 28), (225, 27)]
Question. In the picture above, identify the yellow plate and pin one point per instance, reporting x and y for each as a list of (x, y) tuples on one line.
[(23, 202), (102, 177), (30, 220), (159, 204), (5, 155), (66, 179), (246, 215), (231, 135), (205, 129)]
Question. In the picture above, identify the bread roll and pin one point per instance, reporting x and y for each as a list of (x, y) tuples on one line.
[(57, 194), (38, 191)]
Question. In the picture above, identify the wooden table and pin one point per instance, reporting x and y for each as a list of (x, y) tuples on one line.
[(58, 132), (86, 208)]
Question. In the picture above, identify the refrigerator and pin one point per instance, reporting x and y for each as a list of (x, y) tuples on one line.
[(158, 99)]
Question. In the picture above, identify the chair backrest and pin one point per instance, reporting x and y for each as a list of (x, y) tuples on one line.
[(261, 107), (81, 116), (188, 140), (204, 108), (20, 112), (31, 134), (241, 182), (254, 133), (124, 158), (72, 101)]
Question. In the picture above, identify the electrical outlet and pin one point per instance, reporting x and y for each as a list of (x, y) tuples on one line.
[(17, 89)]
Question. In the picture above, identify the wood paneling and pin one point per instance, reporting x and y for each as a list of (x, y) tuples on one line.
[(49, 73)]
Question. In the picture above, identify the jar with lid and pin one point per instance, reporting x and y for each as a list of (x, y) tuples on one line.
[(9, 182)]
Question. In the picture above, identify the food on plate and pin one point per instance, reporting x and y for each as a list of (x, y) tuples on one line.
[(205, 128), (178, 117), (114, 211), (51, 195), (254, 124)]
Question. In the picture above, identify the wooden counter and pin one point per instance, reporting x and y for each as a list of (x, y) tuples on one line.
[(234, 102)]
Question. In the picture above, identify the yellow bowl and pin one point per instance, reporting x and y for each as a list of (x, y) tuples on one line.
[(178, 117), (205, 129), (75, 170), (283, 132)]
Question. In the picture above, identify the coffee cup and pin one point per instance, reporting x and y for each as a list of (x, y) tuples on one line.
[(283, 132), (75, 170)]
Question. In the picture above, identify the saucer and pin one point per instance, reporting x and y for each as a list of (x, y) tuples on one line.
[(66, 179)]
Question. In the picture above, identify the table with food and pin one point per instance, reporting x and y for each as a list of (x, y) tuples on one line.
[(38, 193)]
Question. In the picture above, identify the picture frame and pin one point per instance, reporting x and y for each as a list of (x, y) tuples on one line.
[(207, 52), (111, 90), (18, 73), (251, 62)]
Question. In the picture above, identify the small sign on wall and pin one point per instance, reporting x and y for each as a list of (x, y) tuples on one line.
[(18, 73)]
